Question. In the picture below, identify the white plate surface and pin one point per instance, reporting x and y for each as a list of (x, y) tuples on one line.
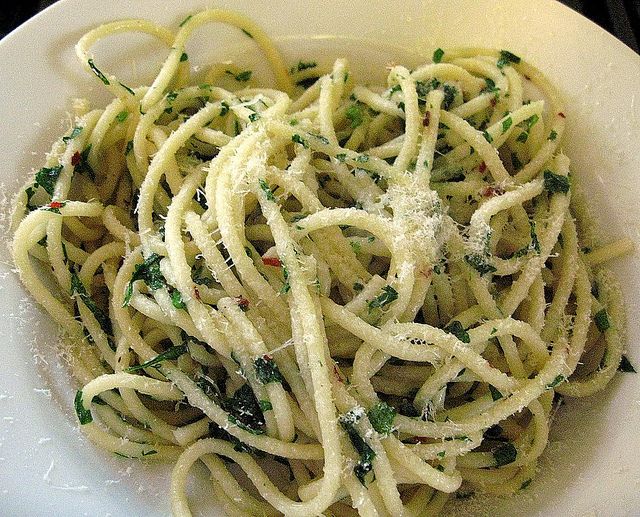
[(592, 465)]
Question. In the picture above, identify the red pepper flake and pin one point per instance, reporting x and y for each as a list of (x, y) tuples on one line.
[(55, 204), (271, 261), (491, 191), (267, 357), (422, 439), (76, 158), (482, 168), (494, 101), (562, 115), (426, 119), (337, 373), (243, 303), (196, 293), (426, 273)]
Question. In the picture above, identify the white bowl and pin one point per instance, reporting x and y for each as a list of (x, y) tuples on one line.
[(592, 464)]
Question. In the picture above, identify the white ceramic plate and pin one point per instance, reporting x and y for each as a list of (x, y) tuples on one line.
[(592, 465)]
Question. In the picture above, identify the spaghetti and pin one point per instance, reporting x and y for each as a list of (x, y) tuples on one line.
[(380, 292)]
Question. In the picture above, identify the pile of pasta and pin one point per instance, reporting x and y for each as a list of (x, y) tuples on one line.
[(368, 299)]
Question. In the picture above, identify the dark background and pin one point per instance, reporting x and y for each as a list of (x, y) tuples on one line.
[(620, 17)]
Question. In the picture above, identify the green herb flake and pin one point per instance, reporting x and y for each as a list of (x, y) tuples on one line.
[(129, 90), (388, 295), (506, 124), (176, 300), (487, 136), (495, 393), (264, 186), (296, 138), (381, 416), (265, 405), (625, 365), (98, 73), (254, 116), (358, 287), (504, 454), (241, 77), (341, 157), (267, 370), (553, 135), (244, 410), (441, 454), (149, 272), (84, 414), (74, 133), (450, 93), (128, 147), (555, 183), (366, 453), (247, 33), (183, 57), (80, 162), (182, 23), (559, 379), (601, 319), (355, 114), (170, 354), (77, 288), (506, 58), (478, 263), (456, 328), (303, 65), (491, 85), (438, 54), (122, 116), (47, 177)]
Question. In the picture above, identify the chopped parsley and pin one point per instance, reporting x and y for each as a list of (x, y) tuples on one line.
[(185, 20), (358, 287), (487, 136), (555, 183), (170, 354), (241, 77), (491, 85), (286, 286), (456, 328), (450, 93), (244, 410), (265, 405), (299, 140), (381, 417), (183, 57), (601, 319), (84, 414), (176, 300), (506, 124), (506, 58), (559, 379), (264, 186), (525, 483), (77, 287), (388, 295), (47, 178), (267, 370), (303, 65), (254, 116), (438, 54), (122, 116), (504, 454), (98, 73), (247, 33), (553, 135), (149, 272), (367, 454), (355, 115), (477, 262), (74, 133), (80, 162)]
